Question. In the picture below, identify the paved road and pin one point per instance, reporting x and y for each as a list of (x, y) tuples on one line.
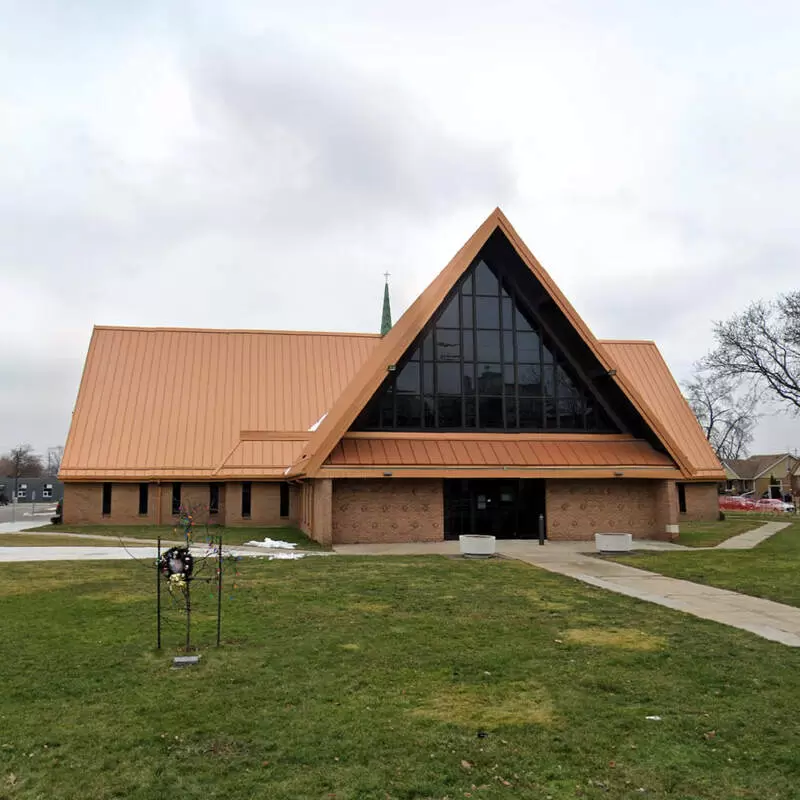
[(38, 514)]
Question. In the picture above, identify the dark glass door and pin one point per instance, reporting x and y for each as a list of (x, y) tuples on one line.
[(506, 509)]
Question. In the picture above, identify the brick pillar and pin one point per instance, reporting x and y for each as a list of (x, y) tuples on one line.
[(322, 511), (666, 511)]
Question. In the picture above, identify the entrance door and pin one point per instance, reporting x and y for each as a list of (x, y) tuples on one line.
[(507, 509)]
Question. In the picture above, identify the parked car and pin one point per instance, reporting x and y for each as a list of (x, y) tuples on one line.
[(736, 503), (774, 506)]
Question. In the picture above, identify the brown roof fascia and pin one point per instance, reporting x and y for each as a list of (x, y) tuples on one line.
[(423, 471), (594, 345), (395, 343), (494, 437), (234, 331), (274, 436), (72, 432)]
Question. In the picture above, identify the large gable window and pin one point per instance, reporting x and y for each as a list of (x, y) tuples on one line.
[(484, 363)]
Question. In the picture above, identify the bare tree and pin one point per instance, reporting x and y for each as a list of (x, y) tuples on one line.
[(21, 462), (54, 456), (727, 418), (762, 344)]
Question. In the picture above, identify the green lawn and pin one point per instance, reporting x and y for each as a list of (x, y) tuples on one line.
[(421, 677), (230, 536), (52, 540), (771, 570), (708, 534)]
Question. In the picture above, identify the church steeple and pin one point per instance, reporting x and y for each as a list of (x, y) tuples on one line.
[(386, 317)]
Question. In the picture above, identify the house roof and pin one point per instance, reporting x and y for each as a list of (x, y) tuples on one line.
[(645, 369), (175, 404), (748, 469), (662, 416), (494, 455), (194, 403)]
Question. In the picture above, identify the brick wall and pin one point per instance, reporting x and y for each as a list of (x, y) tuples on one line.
[(577, 509), (388, 510), (702, 502), (265, 505), (83, 504)]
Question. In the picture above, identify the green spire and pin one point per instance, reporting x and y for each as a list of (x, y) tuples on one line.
[(386, 318)]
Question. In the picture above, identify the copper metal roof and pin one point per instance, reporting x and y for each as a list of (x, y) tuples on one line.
[(396, 342), (181, 403), (644, 367), (582, 454), (220, 404)]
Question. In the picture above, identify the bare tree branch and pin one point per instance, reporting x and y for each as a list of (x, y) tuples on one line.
[(21, 462), (727, 419), (762, 344)]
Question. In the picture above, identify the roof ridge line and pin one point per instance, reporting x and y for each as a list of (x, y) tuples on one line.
[(177, 329)]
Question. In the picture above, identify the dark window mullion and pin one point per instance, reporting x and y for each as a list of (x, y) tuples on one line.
[(516, 356), (503, 407)]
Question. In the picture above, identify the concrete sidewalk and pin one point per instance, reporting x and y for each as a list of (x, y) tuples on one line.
[(774, 621), (745, 541)]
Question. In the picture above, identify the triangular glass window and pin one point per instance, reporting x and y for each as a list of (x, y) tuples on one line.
[(484, 363)]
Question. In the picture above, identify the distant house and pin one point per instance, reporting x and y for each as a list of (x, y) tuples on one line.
[(31, 490), (763, 475)]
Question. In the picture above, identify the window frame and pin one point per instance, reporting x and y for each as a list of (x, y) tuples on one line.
[(247, 499), (213, 498), (106, 499), (144, 495), (284, 502), (176, 497)]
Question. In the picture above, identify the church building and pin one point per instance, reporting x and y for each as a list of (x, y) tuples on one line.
[(488, 407)]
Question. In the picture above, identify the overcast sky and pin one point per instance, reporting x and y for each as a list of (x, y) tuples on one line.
[(261, 164)]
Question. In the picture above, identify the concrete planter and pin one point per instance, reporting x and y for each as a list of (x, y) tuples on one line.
[(475, 546), (613, 542)]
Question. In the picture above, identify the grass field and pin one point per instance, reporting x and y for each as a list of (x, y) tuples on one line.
[(384, 678), (771, 570), (230, 536)]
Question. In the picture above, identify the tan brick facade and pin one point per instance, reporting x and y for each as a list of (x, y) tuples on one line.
[(702, 502), (404, 510), (577, 509), (83, 504)]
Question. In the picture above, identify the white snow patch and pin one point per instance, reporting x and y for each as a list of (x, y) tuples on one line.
[(273, 543), (318, 422), (277, 556)]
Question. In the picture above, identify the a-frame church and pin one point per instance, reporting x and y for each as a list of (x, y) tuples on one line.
[(489, 404)]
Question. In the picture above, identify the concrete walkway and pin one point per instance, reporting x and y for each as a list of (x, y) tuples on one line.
[(745, 541), (773, 621)]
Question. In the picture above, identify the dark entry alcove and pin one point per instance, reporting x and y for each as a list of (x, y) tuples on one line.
[(508, 509)]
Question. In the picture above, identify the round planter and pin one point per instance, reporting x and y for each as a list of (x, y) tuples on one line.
[(477, 546), (613, 542)]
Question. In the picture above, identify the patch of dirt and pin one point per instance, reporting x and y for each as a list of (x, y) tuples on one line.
[(350, 647), (376, 608), (625, 638), (484, 706), (543, 603)]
